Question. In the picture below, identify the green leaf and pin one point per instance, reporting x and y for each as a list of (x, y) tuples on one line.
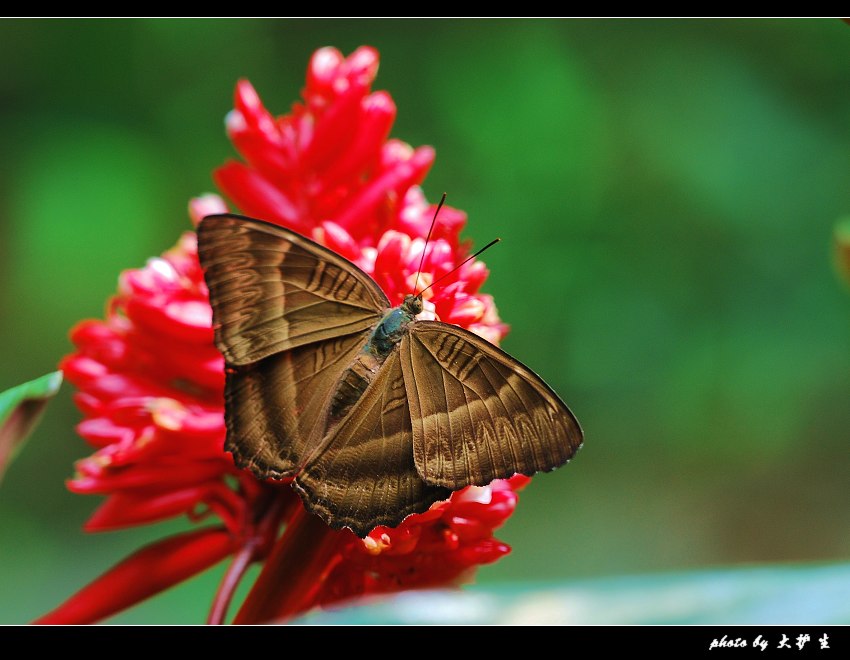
[(770, 595), (20, 410)]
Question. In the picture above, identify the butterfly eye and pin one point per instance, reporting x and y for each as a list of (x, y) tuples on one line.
[(412, 304)]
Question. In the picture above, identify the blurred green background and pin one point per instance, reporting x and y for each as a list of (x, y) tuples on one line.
[(666, 192)]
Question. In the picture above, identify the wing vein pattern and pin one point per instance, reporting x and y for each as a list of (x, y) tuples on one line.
[(478, 414)]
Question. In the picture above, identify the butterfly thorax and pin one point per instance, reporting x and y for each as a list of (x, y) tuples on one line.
[(386, 335), (390, 329)]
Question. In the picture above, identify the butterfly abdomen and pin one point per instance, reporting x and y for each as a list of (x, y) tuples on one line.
[(351, 385), (355, 379)]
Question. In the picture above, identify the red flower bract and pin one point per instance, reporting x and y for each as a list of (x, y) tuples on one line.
[(150, 379)]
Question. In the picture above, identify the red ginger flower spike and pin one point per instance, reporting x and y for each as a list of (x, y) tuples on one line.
[(150, 379)]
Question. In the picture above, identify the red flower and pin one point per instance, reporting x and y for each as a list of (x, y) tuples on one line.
[(151, 380)]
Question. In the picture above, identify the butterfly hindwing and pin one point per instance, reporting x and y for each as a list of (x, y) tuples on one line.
[(365, 476), (274, 408), (477, 413), (272, 290)]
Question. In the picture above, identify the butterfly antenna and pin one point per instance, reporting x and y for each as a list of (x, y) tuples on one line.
[(428, 238), (470, 258)]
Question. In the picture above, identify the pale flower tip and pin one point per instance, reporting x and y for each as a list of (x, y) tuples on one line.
[(324, 65), (368, 256), (246, 96), (428, 312), (364, 61), (190, 313), (491, 334), (163, 268), (414, 205), (395, 151), (424, 156), (396, 241), (337, 239), (479, 494), (372, 546), (469, 311), (167, 413), (234, 123), (201, 207), (379, 102)]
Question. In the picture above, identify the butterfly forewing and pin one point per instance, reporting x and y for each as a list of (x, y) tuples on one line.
[(272, 290), (477, 413), (275, 408), (365, 475)]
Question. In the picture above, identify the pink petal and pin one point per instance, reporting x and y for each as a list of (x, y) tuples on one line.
[(257, 196), (392, 252), (466, 312), (186, 320), (516, 482), (125, 509), (89, 405), (473, 276), (335, 130), (268, 161), (397, 179), (484, 552), (362, 65), (161, 477), (102, 342), (322, 71), (101, 431), (378, 115), (80, 369), (338, 240), (470, 529), (201, 207), (253, 116)]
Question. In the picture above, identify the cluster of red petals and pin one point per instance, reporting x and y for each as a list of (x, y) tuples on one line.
[(150, 379), (150, 386), (328, 171), (427, 550)]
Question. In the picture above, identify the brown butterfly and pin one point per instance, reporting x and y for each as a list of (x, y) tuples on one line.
[(376, 414)]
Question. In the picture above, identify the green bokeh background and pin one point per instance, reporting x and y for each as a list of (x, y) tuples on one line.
[(666, 192)]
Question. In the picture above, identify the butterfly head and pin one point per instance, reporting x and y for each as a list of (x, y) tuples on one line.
[(412, 304)]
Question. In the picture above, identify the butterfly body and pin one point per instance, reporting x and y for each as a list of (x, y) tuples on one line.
[(389, 332), (375, 414), (386, 336)]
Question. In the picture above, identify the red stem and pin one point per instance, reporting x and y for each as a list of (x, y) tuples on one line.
[(230, 581), (270, 510), (144, 573), (294, 571)]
